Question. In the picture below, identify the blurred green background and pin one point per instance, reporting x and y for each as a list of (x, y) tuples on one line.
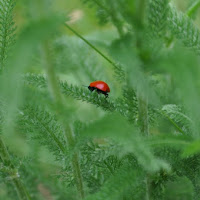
[(84, 66)]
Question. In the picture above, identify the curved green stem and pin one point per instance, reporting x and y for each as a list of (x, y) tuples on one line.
[(141, 13), (60, 109), (174, 123), (116, 66), (91, 45), (193, 8), (142, 99), (143, 115)]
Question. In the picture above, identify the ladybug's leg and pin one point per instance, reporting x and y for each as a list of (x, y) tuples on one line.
[(91, 88), (102, 92), (99, 91), (105, 93)]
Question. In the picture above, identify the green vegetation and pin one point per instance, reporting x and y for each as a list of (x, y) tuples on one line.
[(59, 140)]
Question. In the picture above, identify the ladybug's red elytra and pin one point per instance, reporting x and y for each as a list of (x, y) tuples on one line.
[(100, 87)]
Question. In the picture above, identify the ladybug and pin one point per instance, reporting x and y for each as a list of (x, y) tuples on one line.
[(100, 87)]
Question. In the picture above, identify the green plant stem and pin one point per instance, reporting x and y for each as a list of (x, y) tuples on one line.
[(141, 12), (144, 127), (147, 187), (193, 8), (143, 115), (78, 176), (60, 110), (174, 123), (18, 185), (142, 99), (91, 45), (116, 66)]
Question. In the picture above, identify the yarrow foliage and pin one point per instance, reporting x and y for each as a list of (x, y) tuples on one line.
[(7, 29), (60, 140)]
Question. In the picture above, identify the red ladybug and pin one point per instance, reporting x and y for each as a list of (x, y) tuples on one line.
[(100, 87)]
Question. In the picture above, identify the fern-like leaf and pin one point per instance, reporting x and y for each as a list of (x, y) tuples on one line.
[(129, 104), (107, 10), (115, 187), (41, 125), (74, 91), (182, 122), (7, 29), (158, 11), (184, 29)]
